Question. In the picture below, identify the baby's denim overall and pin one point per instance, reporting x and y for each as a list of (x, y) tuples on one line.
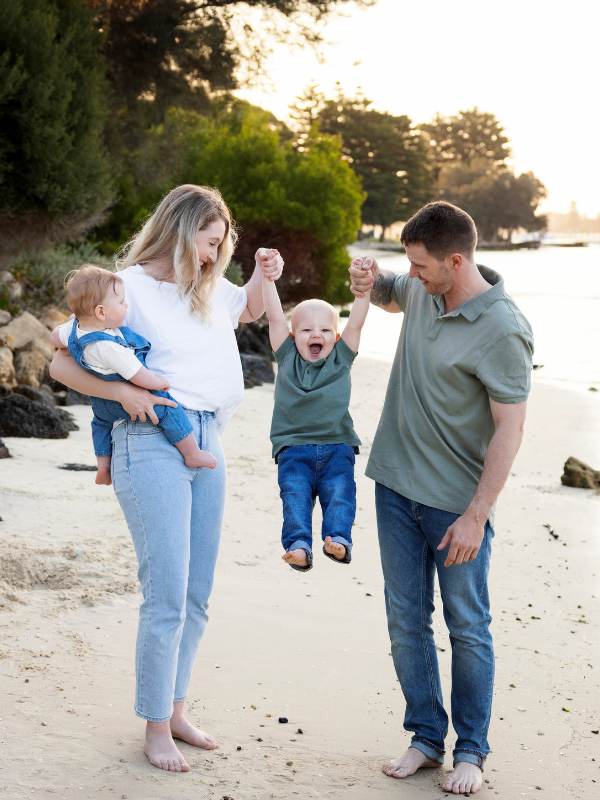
[(173, 421)]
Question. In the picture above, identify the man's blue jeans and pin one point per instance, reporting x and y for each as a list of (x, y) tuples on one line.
[(306, 472), (409, 534)]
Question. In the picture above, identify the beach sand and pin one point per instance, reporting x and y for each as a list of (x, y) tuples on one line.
[(310, 647)]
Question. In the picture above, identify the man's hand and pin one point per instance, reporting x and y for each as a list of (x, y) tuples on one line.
[(270, 263), (139, 403), (464, 537), (362, 271)]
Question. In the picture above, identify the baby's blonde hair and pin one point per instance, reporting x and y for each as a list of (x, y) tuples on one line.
[(171, 232), (87, 287)]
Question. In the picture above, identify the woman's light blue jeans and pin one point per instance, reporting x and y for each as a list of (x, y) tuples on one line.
[(174, 514), (409, 534)]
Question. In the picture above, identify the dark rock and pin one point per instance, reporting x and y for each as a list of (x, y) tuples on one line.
[(257, 370), (43, 394), (74, 398), (580, 475), (253, 339), (283, 719), (4, 450), (78, 468), (5, 390), (28, 419)]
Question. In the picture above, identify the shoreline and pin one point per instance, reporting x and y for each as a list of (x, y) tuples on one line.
[(312, 647)]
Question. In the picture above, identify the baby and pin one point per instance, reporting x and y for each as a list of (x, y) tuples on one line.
[(313, 437), (98, 342)]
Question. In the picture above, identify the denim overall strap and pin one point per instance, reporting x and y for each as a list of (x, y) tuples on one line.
[(131, 341)]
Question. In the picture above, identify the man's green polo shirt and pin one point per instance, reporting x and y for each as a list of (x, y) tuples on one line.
[(436, 423), (312, 398)]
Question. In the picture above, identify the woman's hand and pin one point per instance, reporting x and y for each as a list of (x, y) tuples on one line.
[(270, 263), (139, 403)]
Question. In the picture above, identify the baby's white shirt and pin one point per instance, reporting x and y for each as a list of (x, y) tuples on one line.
[(104, 357)]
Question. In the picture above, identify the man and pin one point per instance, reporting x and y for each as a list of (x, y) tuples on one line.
[(451, 426)]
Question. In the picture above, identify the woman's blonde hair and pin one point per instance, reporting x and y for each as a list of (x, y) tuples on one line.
[(171, 231)]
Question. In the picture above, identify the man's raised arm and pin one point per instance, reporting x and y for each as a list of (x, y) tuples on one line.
[(379, 281)]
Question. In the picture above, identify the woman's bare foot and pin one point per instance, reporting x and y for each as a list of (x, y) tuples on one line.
[(103, 475), (193, 456), (184, 730), (297, 557), (161, 750), (464, 778), (408, 764), (335, 549)]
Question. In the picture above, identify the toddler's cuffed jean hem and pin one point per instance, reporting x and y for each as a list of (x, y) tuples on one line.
[(470, 756), (301, 545), (429, 750)]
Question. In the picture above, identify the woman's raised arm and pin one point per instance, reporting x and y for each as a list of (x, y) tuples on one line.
[(138, 403)]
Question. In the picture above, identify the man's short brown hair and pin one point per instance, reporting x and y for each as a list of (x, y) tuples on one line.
[(442, 229), (87, 287)]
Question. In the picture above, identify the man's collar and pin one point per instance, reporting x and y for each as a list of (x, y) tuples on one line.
[(473, 308)]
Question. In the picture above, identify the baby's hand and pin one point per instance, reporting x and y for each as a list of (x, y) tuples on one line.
[(162, 384), (365, 263), (270, 263)]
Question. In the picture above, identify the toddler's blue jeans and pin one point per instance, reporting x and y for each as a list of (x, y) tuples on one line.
[(409, 534), (310, 471), (173, 421)]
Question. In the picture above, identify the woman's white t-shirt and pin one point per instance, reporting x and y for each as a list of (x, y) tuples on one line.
[(200, 360)]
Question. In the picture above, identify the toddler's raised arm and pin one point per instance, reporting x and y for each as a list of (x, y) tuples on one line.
[(358, 313), (278, 327)]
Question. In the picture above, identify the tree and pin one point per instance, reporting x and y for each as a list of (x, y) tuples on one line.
[(495, 197), (384, 150), (307, 204), (164, 53), (54, 175), (468, 135)]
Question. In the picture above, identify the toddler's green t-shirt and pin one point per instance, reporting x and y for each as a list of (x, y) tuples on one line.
[(312, 398)]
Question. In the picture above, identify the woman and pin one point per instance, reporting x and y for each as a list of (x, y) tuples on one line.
[(178, 300)]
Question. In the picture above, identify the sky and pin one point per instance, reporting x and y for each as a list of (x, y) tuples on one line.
[(535, 65)]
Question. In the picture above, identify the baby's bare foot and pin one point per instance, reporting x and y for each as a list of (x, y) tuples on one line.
[(408, 764), (184, 730), (297, 557), (335, 549), (465, 778), (103, 476), (201, 459), (162, 752)]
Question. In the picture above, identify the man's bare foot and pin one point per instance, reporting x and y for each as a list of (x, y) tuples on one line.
[(103, 476), (161, 750), (408, 764), (184, 730), (335, 549), (297, 557), (464, 778)]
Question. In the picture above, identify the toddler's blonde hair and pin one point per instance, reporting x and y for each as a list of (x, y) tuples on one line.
[(171, 232), (87, 287)]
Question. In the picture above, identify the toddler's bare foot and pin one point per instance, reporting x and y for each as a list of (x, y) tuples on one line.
[(184, 730), (335, 549), (408, 764), (103, 475), (464, 778), (162, 752), (297, 557), (201, 459)]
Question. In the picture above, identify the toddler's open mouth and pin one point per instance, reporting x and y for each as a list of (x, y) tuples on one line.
[(315, 349)]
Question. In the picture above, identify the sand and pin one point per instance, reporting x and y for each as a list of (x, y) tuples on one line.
[(310, 647)]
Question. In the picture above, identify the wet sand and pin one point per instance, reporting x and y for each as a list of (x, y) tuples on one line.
[(310, 647)]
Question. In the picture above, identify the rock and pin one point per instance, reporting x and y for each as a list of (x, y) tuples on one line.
[(5, 317), (31, 367), (5, 390), (253, 339), (4, 450), (257, 370), (28, 419), (43, 346), (78, 468), (7, 369), (580, 475), (11, 284), (283, 720), (54, 317), (73, 398), (42, 395), (24, 329)]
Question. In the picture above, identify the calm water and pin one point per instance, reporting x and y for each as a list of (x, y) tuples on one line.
[(558, 290)]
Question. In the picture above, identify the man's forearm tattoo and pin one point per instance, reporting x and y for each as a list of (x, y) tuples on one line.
[(381, 293)]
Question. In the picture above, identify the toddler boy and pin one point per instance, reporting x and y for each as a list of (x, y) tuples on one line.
[(96, 339), (313, 437)]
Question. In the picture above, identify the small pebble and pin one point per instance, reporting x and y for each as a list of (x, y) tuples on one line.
[(293, 740), (267, 715), (259, 740), (541, 733), (283, 719), (289, 763), (261, 726), (239, 747), (26, 680), (299, 730)]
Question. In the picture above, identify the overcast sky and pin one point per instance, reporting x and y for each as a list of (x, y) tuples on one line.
[(535, 65)]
